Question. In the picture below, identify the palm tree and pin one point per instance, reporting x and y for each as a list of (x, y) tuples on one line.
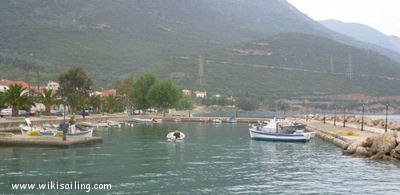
[(2, 100), (74, 100), (110, 103), (95, 102), (16, 97), (48, 99)]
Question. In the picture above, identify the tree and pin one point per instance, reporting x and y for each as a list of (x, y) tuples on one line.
[(75, 85), (125, 87), (185, 103), (16, 97), (164, 95), (247, 104), (125, 92), (283, 106), (141, 89), (75, 80), (75, 100), (111, 103), (48, 99), (2, 105), (95, 102)]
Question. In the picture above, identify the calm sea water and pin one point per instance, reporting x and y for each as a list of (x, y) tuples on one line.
[(214, 159)]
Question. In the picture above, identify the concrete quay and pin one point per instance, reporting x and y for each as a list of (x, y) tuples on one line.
[(337, 134), (11, 140)]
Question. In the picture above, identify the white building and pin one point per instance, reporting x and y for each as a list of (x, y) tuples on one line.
[(201, 94), (53, 85)]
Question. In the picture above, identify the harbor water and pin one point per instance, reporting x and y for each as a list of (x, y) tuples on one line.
[(213, 159)]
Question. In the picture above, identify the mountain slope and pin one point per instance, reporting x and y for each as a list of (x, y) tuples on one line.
[(113, 39), (363, 33), (131, 35), (288, 65)]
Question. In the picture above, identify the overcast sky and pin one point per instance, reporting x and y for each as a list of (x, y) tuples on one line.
[(383, 15)]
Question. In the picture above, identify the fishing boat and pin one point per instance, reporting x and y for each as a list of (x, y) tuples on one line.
[(87, 133), (144, 120), (175, 136), (27, 129), (287, 137), (114, 124), (97, 125), (285, 125), (217, 120), (273, 131)]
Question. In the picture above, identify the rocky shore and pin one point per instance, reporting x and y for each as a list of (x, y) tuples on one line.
[(371, 144), (385, 146)]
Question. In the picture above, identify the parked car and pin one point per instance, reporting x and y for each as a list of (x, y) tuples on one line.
[(5, 112), (56, 113), (22, 113), (8, 112), (32, 113), (80, 112)]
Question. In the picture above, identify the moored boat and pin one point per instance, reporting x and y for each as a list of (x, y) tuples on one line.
[(113, 124), (287, 137), (97, 125), (217, 120), (279, 131), (144, 120), (87, 133), (30, 131)]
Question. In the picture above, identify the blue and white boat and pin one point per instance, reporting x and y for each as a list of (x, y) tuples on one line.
[(287, 137), (273, 131), (33, 131)]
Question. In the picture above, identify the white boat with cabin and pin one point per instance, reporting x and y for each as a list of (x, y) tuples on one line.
[(273, 131)]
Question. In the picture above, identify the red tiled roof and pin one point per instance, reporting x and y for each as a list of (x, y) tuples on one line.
[(21, 83), (8, 83)]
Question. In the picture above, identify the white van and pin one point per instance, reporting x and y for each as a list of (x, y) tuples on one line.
[(5, 112)]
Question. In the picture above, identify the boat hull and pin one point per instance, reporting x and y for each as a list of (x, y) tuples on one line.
[(267, 136), (88, 133)]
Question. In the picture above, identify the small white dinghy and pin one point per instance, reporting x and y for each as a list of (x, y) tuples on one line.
[(175, 136)]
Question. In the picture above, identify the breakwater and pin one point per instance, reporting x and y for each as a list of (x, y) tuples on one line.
[(9, 139), (371, 144)]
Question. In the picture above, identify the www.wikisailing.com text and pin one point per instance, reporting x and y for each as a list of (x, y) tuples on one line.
[(56, 185)]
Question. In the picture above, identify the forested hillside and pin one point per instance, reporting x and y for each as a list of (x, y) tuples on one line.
[(114, 39)]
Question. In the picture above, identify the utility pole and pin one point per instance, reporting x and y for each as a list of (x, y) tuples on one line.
[(331, 64), (27, 78), (344, 116), (362, 118), (201, 71), (38, 81), (349, 69), (386, 119), (334, 119)]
